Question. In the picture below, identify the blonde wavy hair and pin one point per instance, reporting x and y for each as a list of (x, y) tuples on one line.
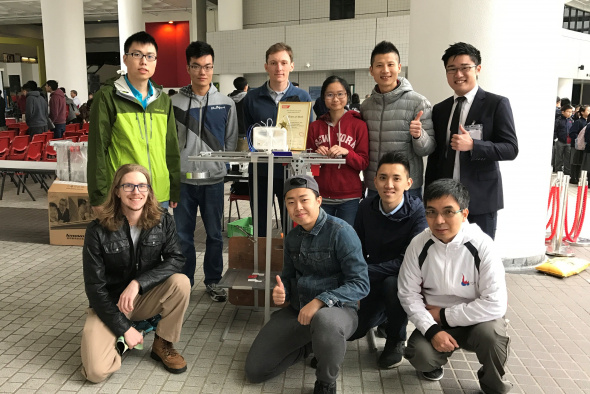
[(111, 216)]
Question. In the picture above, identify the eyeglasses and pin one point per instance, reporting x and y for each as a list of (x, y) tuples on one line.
[(340, 95), (198, 67), (447, 213), (463, 69), (129, 187), (150, 57)]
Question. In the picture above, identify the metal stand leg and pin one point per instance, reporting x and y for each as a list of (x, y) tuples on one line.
[(371, 340), (229, 323)]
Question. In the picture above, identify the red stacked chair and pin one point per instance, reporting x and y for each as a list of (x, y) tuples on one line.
[(83, 138), (22, 129), (4, 147), (73, 127), (18, 149), (86, 127), (34, 151), (40, 137), (49, 154), (8, 133), (10, 121), (68, 134)]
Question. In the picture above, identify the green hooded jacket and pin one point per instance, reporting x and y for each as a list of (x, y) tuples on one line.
[(122, 132)]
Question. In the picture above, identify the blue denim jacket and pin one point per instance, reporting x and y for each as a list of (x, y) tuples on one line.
[(326, 263)]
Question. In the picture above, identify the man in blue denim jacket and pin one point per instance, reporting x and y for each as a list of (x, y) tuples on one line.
[(324, 276)]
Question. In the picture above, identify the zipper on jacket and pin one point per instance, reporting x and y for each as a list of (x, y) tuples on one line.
[(147, 144)]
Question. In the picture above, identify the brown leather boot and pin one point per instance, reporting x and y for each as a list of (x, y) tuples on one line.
[(163, 351)]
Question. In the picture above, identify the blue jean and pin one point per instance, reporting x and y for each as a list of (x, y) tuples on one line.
[(345, 211), (209, 199), (59, 130), (382, 305)]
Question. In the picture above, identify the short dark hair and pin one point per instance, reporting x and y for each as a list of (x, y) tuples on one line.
[(558, 100), (383, 48), (141, 37), (279, 47), (74, 91), (566, 107), (355, 99), (565, 101), (395, 157), (52, 84), (63, 90), (240, 83), (447, 187), (30, 86), (334, 78), (199, 49), (462, 48)]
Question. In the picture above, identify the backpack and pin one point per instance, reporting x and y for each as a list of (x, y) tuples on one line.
[(581, 140)]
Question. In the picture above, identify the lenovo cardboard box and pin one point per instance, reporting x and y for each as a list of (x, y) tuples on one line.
[(69, 213)]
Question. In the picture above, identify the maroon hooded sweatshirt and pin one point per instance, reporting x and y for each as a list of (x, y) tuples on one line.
[(341, 181)]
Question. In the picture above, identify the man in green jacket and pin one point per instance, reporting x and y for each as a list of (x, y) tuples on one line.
[(132, 121)]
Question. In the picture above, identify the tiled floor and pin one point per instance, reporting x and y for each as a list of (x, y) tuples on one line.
[(42, 303)]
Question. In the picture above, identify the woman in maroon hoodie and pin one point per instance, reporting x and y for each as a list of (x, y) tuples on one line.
[(340, 133)]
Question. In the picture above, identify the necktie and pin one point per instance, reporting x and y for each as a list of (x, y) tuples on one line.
[(449, 163)]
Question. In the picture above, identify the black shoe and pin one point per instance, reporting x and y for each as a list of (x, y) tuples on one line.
[(216, 293), (435, 375), (392, 355), (314, 363), (324, 388)]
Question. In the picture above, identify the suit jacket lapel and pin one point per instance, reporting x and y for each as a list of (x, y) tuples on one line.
[(476, 107)]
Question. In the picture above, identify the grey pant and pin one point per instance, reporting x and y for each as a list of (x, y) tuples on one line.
[(488, 340), (562, 157), (283, 342)]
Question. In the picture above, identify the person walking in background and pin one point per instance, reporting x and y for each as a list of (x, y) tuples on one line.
[(561, 132), (57, 108), (577, 156), (36, 109), (340, 134)]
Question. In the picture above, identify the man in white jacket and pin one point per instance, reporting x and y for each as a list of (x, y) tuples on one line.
[(452, 286)]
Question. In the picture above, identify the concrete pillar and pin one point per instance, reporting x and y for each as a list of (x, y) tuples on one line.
[(564, 89), (230, 17), (65, 53), (508, 42), (199, 20), (130, 22)]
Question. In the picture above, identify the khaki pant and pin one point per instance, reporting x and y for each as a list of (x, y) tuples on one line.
[(170, 299), (488, 340)]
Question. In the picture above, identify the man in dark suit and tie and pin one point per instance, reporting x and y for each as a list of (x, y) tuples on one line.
[(474, 129)]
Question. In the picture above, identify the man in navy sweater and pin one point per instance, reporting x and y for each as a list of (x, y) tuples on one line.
[(260, 106), (385, 224)]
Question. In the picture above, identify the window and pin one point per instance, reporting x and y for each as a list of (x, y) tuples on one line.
[(576, 20), (341, 9)]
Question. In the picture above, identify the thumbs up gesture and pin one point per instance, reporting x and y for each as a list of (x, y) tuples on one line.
[(278, 293), (416, 126), (462, 141)]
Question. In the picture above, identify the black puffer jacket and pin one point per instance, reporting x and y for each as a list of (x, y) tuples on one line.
[(110, 263)]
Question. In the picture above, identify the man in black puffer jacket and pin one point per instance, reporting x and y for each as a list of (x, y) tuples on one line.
[(132, 271)]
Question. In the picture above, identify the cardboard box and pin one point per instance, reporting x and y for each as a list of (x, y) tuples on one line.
[(69, 213)]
